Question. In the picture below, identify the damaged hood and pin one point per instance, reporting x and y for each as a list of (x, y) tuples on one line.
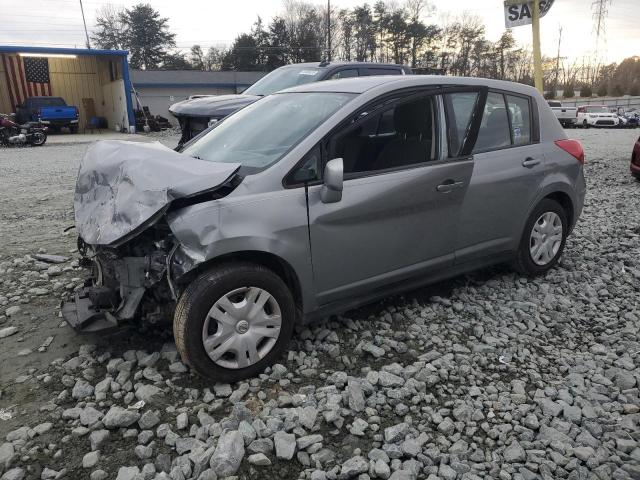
[(123, 187)]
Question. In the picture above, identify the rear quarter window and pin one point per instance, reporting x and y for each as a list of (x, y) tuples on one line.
[(383, 71)]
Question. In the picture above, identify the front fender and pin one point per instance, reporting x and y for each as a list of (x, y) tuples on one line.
[(273, 223)]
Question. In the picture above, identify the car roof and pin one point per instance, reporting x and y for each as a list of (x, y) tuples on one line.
[(393, 82)]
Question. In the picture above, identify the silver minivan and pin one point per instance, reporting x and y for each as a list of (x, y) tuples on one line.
[(316, 200)]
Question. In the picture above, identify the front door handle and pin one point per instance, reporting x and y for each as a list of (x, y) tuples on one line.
[(449, 186), (530, 162)]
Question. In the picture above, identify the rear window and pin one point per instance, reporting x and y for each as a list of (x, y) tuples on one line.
[(597, 109), (48, 102)]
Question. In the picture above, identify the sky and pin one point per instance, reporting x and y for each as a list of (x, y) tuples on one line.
[(218, 22)]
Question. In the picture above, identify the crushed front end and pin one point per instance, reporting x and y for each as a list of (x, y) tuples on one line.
[(123, 195), (131, 281)]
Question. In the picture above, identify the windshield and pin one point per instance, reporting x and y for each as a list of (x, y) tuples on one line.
[(602, 109), (283, 78), (260, 134)]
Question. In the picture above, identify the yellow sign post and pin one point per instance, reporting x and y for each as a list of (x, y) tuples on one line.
[(525, 12), (537, 56)]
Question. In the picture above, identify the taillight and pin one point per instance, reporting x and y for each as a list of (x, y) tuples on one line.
[(573, 148), (77, 112)]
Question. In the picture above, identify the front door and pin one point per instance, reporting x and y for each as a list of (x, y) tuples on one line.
[(400, 203)]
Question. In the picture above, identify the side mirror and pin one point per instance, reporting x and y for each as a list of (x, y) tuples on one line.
[(333, 176)]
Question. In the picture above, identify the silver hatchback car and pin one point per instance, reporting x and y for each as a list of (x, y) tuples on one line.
[(316, 200)]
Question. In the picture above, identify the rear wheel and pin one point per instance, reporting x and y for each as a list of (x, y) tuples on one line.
[(543, 239), (234, 321), (73, 129), (38, 139)]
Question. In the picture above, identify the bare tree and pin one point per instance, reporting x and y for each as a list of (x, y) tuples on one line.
[(110, 30)]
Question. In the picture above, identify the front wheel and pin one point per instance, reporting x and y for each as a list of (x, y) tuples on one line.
[(543, 239), (585, 124), (234, 321)]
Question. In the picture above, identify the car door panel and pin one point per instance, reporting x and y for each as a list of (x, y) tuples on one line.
[(387, 227), (501, 190)]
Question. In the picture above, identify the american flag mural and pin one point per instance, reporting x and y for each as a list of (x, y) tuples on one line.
[(26, 77)]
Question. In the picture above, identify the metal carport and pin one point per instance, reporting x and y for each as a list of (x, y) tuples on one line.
[(75, 74)]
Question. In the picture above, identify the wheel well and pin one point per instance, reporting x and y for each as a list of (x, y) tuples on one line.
[(565, 201), (274, 263)]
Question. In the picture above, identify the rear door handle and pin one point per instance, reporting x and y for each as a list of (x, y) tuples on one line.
[(449, 186), (530, 162)]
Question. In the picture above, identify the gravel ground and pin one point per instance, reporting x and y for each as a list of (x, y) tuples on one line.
[(487, 376)]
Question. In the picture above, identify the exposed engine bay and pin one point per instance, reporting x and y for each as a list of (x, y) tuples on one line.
[(131, 280)]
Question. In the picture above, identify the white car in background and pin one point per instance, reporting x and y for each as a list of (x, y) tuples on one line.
[(596, 116)]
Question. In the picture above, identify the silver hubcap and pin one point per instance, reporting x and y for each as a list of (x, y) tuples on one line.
[(241, 327), (546, 238)]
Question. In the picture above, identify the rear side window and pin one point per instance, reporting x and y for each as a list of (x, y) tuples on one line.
[(383, 71), (460, 108), (350, 72), (494, 130), (520, 114)]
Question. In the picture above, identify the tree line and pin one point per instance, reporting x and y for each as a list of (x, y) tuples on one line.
[(384, 31)]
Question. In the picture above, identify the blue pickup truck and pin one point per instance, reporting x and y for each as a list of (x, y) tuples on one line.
[(50, 111)]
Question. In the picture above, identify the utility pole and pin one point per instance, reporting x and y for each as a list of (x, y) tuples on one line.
[(328, 30), (555, 83), (537, 56), (600, 10), (85, 25)]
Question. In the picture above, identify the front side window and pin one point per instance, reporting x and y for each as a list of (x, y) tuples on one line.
[(494, 129), (262, 133), (399, 136)]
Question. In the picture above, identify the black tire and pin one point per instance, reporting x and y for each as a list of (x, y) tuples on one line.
[(524, 264), (200, 296), (42, 138), (73, 129), (585, 124)]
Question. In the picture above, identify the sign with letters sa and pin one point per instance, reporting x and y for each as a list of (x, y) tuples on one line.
[(517, 14)]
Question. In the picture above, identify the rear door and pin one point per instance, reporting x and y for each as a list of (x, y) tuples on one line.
[(509, 168)]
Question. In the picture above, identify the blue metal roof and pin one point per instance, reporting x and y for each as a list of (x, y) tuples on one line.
[(59, 50), (189, 85)]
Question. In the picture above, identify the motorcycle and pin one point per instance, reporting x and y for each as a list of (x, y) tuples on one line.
[(12, 133)]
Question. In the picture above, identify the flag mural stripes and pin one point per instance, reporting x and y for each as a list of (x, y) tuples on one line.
[(26, 77)]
